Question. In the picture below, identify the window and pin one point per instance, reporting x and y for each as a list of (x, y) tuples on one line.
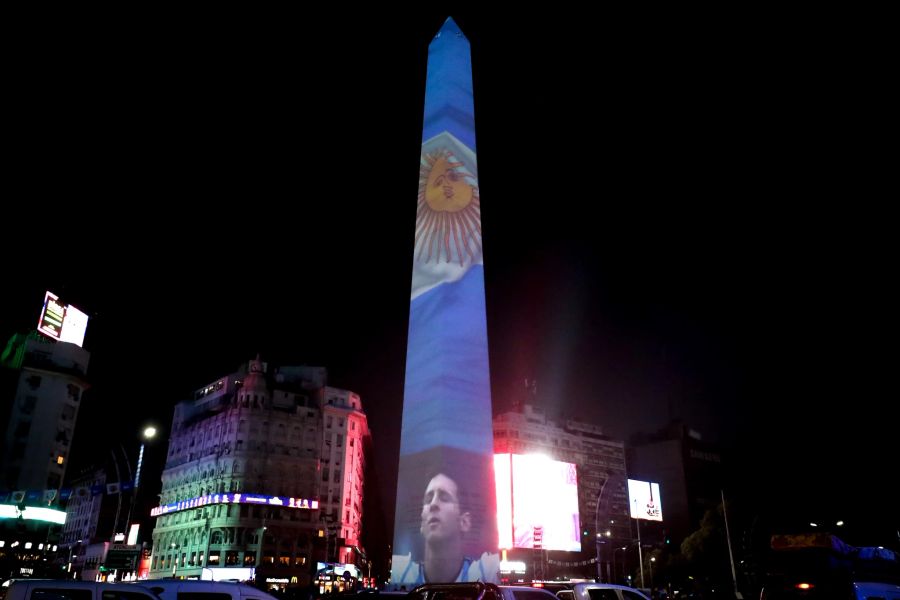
[(120, 595), (603, 594), (214, 558), (28, 405), (61, 594), (203, 596)]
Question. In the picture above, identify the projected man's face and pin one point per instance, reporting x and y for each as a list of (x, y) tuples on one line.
[(442, 518)]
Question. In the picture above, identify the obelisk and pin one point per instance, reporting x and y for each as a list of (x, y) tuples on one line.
[(445, 527)]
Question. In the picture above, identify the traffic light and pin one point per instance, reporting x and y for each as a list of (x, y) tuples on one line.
[(668, 541), (585, 532)]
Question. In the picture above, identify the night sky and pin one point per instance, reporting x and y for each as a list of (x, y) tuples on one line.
[(683, 217)]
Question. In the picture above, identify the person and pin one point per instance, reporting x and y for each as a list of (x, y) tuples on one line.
[(444, 523)]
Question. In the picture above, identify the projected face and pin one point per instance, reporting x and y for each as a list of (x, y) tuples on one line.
[(442, 517), (447, 189), (448, 219)]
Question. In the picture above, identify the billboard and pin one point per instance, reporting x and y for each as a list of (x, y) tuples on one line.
[(643, 497), (61, 321), (537, 502)]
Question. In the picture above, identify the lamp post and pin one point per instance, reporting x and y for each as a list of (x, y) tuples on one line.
[(148, 434), (652, 560), (597, 528), (614, 560)]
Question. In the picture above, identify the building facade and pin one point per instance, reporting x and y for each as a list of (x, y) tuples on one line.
[(602, 487), (690, 472), (41, 415), (42, 383), (262, 476)]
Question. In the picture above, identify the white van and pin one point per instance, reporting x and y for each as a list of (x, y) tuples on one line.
[(64, 589), (193, 589)]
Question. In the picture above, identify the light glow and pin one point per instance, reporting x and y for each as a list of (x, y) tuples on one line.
[(537, 502), (645, 501), (34, 513)]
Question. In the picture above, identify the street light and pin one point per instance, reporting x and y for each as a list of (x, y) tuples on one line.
[(614, 560), (598, 541), (652, 560), (148, 434)]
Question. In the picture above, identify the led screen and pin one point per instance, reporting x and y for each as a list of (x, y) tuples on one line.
[(62, 321), (537, 502), (644, 500)]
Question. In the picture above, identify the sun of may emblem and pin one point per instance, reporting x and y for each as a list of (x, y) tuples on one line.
[(448, 216)]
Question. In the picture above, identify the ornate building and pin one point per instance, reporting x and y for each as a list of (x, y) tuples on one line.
[(264, 472)]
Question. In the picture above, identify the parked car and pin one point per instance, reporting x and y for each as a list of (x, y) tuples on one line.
[(192, 589), (456, 591), (600, 591), (479, 591), (65, 589), (524, 592)]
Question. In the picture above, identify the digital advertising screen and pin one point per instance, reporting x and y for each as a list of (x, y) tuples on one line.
[(62, 321), (643, 497), (537, 502)]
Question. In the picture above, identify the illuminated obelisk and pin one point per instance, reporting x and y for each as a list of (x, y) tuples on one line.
[(445, 527)]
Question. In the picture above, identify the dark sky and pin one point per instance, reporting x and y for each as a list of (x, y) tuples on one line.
[(684, 216)]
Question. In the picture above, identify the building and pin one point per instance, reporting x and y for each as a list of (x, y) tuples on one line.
[(40, 417), (690, 473), (42, 385), (602, 486), (263, 475)]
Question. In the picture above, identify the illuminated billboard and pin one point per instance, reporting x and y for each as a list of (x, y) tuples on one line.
[(62, 321), (537, 502), (644, 499), (33, 513)]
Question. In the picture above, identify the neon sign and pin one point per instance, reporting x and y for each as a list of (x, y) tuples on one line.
[(235, 498)]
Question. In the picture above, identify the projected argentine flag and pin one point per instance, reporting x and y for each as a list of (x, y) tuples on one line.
[(446, 444)]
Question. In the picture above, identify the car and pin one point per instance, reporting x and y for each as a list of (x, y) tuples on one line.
[(193, 589), (475, 590), (66, 589), (600, 591), (524, 592), (863, 590)]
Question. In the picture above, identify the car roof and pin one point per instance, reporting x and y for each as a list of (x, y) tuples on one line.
[(170, 585), (605, 586)]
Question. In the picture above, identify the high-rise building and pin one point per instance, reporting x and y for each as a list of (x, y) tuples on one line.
[(265, 472), (602, 486), (42, 382), (690, 473), (40, 417)]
